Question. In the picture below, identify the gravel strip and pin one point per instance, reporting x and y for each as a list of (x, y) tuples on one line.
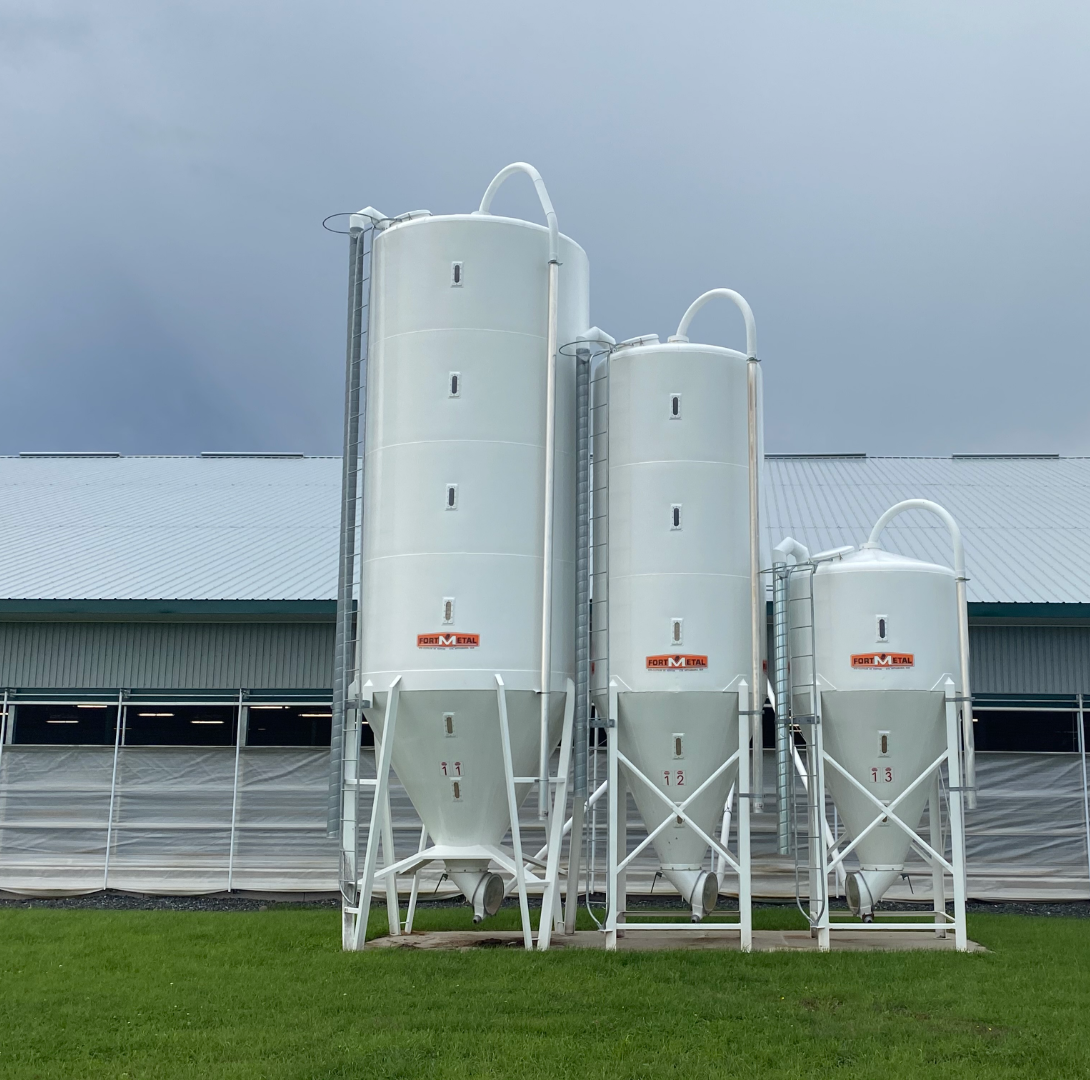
[(111, 901)]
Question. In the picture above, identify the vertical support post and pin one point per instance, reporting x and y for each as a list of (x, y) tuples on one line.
[(756, 587), (547, 561), (612, 817), (118, 725), (1085, 789), (378, 808), (240, 732), (415, 894), (513, 812), (575, 859), (550, 897), (745, 886), (350, 805), (968, 734), (5, 735), (957, 823), (5, 724), (389, 857), (938, 880), (622, 850), (817, 799)]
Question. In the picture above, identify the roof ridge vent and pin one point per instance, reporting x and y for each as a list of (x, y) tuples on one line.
[(1005, 457), (822, 457), (250, 454), (69, 453)]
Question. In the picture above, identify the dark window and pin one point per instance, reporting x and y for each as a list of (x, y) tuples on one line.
[(180, 725), (289, 725), (1027, 731), (768, 724), (73, 724)]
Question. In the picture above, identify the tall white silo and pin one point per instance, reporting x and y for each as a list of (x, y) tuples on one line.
[(677, 434), (888, 636), (467, 565)]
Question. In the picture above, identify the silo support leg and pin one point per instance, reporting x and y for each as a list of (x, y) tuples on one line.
[(513, 812), (745, 895), (612, 817), (551, 916), (389, 857), (414, 895), (957, 823), (379, 809), (575, 856), (938, 875)]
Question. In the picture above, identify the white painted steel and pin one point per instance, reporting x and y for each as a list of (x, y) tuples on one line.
[(676, 580), (968, 736), (883, 723), (481, 548)]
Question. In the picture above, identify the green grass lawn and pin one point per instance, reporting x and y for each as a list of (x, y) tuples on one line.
[(128, 994)]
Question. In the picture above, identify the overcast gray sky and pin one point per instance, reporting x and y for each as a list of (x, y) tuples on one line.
[(899, 188)]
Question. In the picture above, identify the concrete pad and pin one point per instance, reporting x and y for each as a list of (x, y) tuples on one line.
[(685, 938)]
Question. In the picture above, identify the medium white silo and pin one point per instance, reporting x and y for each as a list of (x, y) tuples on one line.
[(674, 592), (467, 565), (878, 706)]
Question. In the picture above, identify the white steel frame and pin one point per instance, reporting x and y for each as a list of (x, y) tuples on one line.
[(831, 856), (356, 909), (618, 857)]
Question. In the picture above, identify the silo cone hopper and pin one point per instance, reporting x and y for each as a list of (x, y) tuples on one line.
[(913, 725), (709, 722), (465, 802)]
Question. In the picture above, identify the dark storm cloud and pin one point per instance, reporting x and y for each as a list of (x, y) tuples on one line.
[(899, 189)]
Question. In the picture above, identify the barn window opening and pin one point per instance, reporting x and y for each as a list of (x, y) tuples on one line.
[(181, 725), (87, 725), (294, 725)]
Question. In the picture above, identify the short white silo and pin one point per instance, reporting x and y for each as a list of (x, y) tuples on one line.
[(467, 565), (672, 642), (877, 706)]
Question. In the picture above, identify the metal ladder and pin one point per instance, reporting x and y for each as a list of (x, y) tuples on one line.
[(805, 791), (345, 780)]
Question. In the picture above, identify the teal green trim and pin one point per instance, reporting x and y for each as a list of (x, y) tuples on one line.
[(245, 609), (1029, 611)]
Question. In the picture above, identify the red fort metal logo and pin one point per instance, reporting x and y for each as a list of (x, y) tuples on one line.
[(677, 662), (883, 660), (447, 641)]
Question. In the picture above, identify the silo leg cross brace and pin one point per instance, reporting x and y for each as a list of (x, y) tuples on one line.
[(616, 916), (515, 864)]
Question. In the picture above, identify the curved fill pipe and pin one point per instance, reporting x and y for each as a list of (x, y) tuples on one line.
[(727, 294), (757, 614), (550, 458), (967, 735)]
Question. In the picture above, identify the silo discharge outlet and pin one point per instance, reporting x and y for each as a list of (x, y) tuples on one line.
[(484, 890), (866, 888), (700, 888)]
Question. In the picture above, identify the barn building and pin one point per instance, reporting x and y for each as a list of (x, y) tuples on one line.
[(166, 644)]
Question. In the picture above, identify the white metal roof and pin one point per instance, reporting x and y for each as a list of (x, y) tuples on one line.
[(1025, 520), (178, 528), (226, 528)]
